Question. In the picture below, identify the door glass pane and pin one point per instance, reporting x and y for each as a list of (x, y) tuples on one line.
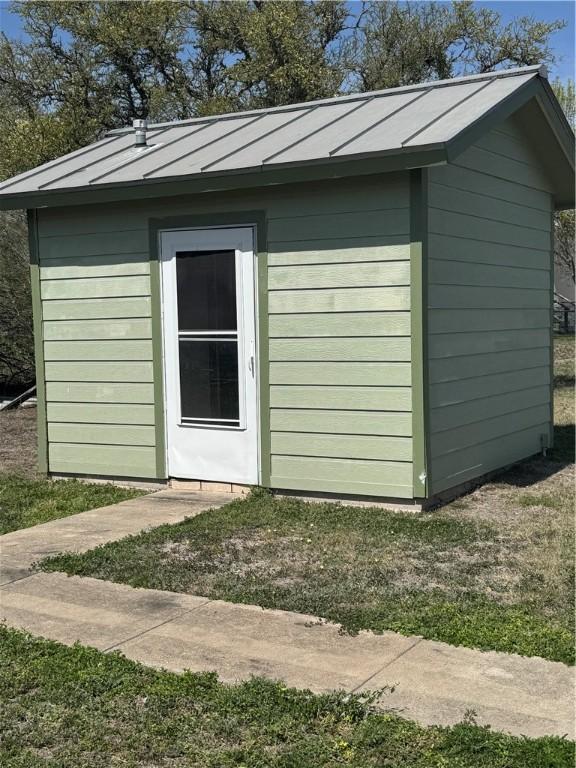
[(206, 288), (209, 379)]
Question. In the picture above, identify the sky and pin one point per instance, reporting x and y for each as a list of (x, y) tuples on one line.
[(544, 10)]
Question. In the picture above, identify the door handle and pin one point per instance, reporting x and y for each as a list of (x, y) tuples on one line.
[(251, 363)]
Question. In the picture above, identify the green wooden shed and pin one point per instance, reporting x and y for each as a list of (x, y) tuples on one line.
[(347, 297)]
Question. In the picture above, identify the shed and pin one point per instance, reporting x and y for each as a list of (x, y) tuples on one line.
[(347, 297)]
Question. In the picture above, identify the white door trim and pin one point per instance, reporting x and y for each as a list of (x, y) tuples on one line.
[(213, 452)]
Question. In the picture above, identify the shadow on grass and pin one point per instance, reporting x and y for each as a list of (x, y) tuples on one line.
[(564, 381), (538, 468), (564, 444)]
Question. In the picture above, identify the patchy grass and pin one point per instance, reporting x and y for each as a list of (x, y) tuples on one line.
[(18, 446), (563, 399), (463, 581), (25, 501), (79, 708), (491, 570), (26, 497)]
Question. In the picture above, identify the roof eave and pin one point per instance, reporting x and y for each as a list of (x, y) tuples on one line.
[(243, 178)]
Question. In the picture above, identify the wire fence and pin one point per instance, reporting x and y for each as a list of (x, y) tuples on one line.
[(564, 315)]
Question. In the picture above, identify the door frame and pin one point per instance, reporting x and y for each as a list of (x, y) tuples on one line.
[(256, 219)]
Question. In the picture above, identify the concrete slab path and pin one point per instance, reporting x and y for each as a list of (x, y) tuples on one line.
[(434, 682)]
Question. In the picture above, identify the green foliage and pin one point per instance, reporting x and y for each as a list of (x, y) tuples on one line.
[(566, 95), (404, 43), (25, 502), (86, 67), (16, 339), (79, 708), (565, 221)]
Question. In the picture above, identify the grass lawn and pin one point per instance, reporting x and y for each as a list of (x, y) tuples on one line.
[(492, 570), (78, 708), (26, 501), (27, 498)]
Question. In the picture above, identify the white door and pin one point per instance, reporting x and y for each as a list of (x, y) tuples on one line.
[(209, 310)]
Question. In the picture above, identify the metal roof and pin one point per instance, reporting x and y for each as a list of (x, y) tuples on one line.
[(397, 120)]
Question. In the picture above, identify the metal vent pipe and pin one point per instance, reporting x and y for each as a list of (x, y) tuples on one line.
[(139, 132)]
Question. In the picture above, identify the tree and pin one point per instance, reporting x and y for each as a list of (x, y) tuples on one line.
[(16, 338), (86, 67), (403, 43), (274, 52), (564, 221)]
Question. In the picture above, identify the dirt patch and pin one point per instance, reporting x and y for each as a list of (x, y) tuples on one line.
[(18, 446)]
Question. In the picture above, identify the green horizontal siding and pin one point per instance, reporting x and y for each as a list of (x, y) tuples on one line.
[(64, 330), (343, 475), (339, 349), (96, 287), (487, 457), (98, 392), (101, 434), (339, 275), (505, 144), (452, 392), (521, 361), (96, 309), (489, 309), (451, 272), (479, 342), (346, 225), (95, 266), (341, 422), (90, 413), (341, 446), (346, 374), (108, 460), (490, 187), (346, 350), (134, 371), (488, 298), (343, 300), (495, 209), (321, 197), (502, 167), (339, 301), (466, 320), (342, 398), (452, 441), (465, 249), (95, 243), (333, 255), (377, 491), (460, 225), (360, 324), (468, 412), (98, 350)]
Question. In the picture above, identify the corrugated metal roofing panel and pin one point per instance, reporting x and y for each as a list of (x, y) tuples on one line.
[(363, 115), (149, 156), (314, 119), (80, 160), (395, 120), (391, 133), (120, 159), (466, 113), (259, 130)]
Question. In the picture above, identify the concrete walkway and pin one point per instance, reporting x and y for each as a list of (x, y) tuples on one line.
[(434, 682)]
